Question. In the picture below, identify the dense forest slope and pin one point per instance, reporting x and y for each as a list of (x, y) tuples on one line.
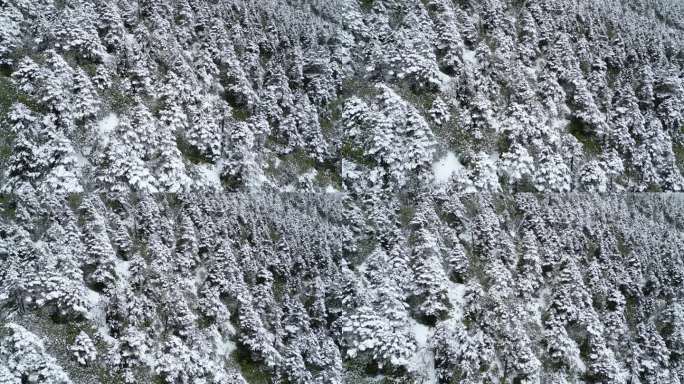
[(301, 288), (158, 95), (341, 191)]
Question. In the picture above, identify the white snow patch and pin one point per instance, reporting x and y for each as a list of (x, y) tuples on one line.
[(578, 362), (225, 348), (106, 126), (210, 175), (257, 179), (93, 297), (96, 313), (423, 360), (309, 175), (560, 123), (200, 277), (456, 293), (223, 345), (444, 168), (131, 41), (331, 189), (122, 270), (96, 310), (287, 189), (81, 161), (107, 59), (422, 333), (444, 80), (537, 306), (470, 56)]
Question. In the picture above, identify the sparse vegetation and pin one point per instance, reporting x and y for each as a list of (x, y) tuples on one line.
[(366, 4), (678, 149), (190, 152), (241, 113), (584, 135), (252, 372), (118, 101)]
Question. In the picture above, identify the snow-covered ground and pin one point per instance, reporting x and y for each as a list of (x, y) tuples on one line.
[(423, 361), (331, 189), (223, 345), (456, 293), (470, 57), (106, 126), (445, 167), (210, 175)]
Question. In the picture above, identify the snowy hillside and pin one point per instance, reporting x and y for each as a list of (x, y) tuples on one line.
[(300, 288), (169, 96), (341, 191)]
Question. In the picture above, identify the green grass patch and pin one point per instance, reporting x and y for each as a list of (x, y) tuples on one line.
[(406, 214), (654, 188), (251, 371), (189, 151), (74, 200), (241, 114), (8, 207), (584, 135), (5, 150), (359, 87), (300, 159), (421, 100), (362, 370), (279, 288), (678, 150), (326, 177), (331, 115), (327, 127), (8, 95), (76, 60), (352, 153), (119, 101), (366, 5)]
